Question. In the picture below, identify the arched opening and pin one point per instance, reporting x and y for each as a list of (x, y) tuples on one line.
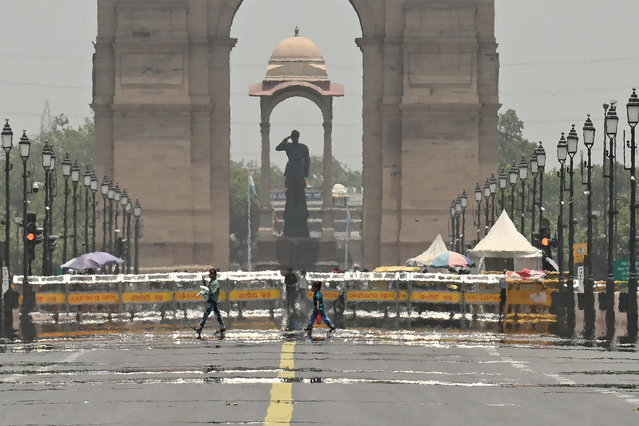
[(259, 27)]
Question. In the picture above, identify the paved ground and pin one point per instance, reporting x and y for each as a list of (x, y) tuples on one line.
[(154, 375)]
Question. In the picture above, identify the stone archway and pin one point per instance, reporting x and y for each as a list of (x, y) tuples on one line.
[(162, 116)]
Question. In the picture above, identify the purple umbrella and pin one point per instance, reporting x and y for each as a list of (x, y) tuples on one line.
[(94, 260)]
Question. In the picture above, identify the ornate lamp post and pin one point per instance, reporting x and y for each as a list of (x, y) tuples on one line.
[(478, 200), (611, 131), (137, 212), (50, 237), (47, 153), (464, 202), (129, 211), (105, 190), (28, 296), (562, 154), (632, 108), (572, 141), (110, 195), (117, 193), (66, 172), (589, 141), (523, 174), (540, 153), (534, 171), (503, 181), (7, 144), (75, 178), (492, 183), (453, 226), (512, 179), (86, 180), (487, 207), (124, 200), (458, 210), (94, 189)]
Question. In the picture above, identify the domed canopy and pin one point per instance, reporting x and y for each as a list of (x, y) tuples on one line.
[(296, 62), (296, 58)]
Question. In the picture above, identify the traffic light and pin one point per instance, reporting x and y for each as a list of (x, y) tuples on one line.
[(32, 235)]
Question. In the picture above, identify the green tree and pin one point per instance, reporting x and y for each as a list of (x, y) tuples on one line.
[(512, 144)]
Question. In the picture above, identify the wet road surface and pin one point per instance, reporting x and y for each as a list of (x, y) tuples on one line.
[(155, 375)]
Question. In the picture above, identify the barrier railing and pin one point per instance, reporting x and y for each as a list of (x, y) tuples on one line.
[(266, 289)]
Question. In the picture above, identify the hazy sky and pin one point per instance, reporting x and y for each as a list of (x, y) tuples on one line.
[(560, 59)]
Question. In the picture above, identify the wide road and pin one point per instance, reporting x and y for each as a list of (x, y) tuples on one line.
[(357, 377)]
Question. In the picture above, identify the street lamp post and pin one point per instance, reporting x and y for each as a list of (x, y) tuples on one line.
[(523, 174), (27, 291), (124, 200), (464, 202), (487, 207), (503, 181), (137, 212), (632, 108), (47, 153), (75, 178), (512, 179), (458, 210), (50, 237), (110, 195), (562, 154), (129, 211), (94, 190), (611, 131), (66, 172), (86, 180), (534, 171), (453, 225), (572, 140), (104, 188), (540, 153), (478, 200), (589, 140), (7, 144), (492, 183)]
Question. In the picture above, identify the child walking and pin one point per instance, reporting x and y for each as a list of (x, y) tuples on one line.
[(211, 303), (318, 308)]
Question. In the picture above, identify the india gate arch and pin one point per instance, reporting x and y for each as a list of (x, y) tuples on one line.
[(162, 119)]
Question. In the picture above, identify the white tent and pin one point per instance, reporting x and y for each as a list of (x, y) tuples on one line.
[(436, 248), (504, 242)]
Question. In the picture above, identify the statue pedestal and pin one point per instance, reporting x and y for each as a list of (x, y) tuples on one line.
[(310, 254)]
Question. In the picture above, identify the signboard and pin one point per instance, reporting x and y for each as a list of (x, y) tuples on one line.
[(312, 195), (579, 252), (375, 295), (257, 294), (436, 296), (621, 268), (5, 279)]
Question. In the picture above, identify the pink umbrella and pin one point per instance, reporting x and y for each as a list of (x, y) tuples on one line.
[(450, 259)]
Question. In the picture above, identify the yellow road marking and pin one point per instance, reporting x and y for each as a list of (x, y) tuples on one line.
[(280, 411)]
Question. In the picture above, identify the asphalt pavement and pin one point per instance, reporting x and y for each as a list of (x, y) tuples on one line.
[(159, 375)]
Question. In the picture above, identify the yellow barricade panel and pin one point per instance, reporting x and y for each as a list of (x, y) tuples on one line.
[(327, 294), (93, 298), (148, 297), (262, 294), (50, 298), (529, 297), (375, 296), (436, 296), (482, 297), (191, 296)]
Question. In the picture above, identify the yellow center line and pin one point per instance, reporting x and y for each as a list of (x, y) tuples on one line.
[(280, 410)]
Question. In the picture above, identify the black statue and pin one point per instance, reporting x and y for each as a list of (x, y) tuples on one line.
[(295, 174)]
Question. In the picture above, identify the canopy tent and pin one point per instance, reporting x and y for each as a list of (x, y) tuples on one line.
[(436, 248), (503, 245)]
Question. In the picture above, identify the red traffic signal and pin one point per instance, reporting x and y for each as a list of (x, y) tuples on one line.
[(30, 236), (545, 242)]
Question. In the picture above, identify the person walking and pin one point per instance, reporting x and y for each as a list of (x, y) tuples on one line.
[(318, 308), (502, 294), (213, 294)]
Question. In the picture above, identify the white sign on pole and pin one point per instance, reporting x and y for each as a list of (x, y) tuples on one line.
[(5, 279), (580, 279)]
